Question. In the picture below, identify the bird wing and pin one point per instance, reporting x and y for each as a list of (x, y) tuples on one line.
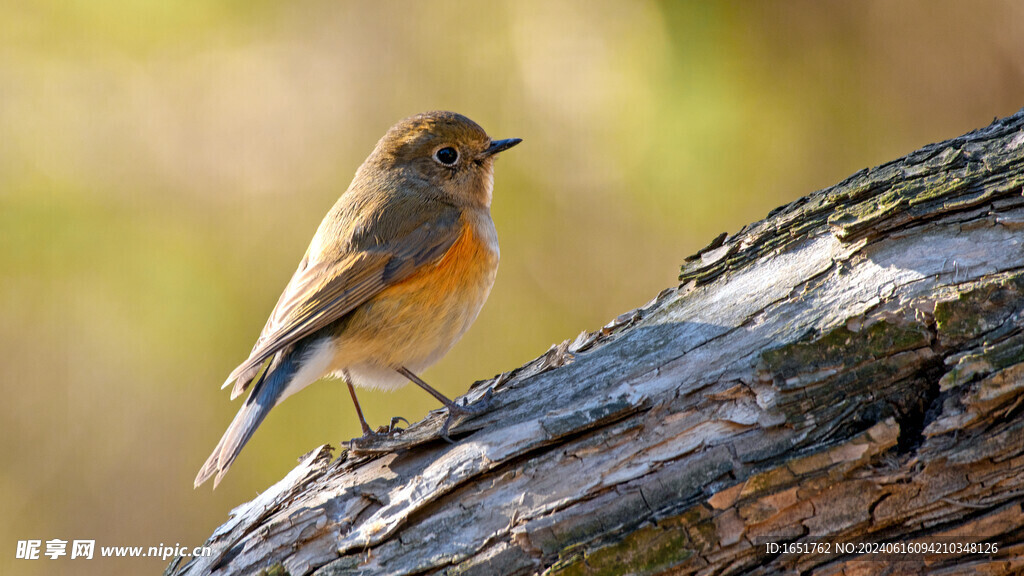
[(372, 258)]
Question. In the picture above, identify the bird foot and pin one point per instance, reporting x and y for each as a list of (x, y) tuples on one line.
[(381, 432), (456, 409), (388, 430), (393, 427)]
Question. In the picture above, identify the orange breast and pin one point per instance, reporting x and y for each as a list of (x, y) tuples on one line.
[(466, 264), (415, 322)]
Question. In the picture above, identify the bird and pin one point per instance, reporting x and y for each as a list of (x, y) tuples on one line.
[(395, 274)]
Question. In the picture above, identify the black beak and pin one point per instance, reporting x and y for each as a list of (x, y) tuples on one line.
[(500, 146)]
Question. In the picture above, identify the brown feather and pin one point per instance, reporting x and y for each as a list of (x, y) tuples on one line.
[(323, 292)]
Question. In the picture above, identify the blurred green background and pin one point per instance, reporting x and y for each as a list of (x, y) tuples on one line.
[(163, 166)]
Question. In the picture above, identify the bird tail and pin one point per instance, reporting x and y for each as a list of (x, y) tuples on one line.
[(265, 394)]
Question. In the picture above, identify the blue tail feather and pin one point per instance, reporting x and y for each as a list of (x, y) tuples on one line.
[(264, 395)]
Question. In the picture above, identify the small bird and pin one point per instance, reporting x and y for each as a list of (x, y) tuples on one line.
[(394, 276)]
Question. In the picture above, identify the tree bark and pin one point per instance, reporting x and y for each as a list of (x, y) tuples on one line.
[(847, 372)]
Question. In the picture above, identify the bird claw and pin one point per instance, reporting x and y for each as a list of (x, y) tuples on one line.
[(388, 430), (392, 427), (381, 432), (480, 407), (456, 409)]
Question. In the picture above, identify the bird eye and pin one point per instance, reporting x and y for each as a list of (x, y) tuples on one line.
[(447, 155)]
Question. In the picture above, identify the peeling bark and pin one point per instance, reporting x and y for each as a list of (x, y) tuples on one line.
[(849, 370)]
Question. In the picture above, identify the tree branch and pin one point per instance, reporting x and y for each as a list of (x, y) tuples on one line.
[(848, 370)]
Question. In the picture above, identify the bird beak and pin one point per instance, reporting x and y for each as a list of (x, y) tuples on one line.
[(499, 146)]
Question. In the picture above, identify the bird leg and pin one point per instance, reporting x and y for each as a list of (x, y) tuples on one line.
[(453, 408), (367, 431)]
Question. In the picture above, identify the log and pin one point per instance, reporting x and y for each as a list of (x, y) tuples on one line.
[(836, 389)]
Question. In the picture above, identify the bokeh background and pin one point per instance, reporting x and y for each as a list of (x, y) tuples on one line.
[(163, 166)]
